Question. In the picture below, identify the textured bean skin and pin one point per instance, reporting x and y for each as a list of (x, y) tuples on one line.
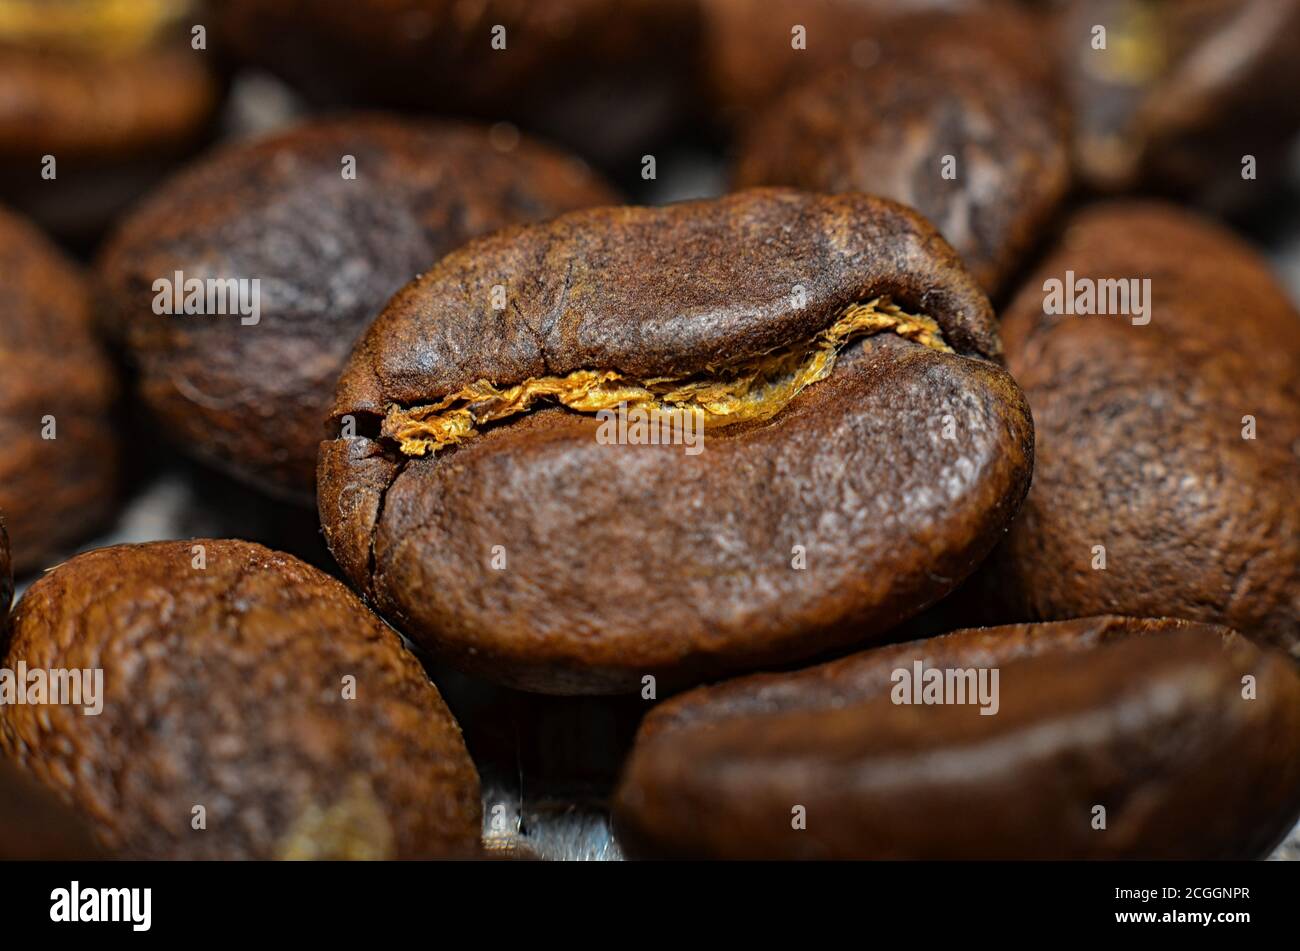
[(1143, 717), (224, 687), (328, 251), (624, 561), (1183, 91), (891, 131), (53, 491), (1140, 430)]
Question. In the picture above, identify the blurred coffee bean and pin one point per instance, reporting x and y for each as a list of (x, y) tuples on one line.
[(314, 227), (1101, 738), (945, 122), (58, 472), (251, 708), (98, 98), (1197, 98), (1165, 388), (605, 77), (755, 50)]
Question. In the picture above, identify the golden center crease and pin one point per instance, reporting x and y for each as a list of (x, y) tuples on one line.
[(753, 390)]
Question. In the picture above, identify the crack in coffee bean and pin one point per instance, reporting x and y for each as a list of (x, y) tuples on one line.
[(751, 391)]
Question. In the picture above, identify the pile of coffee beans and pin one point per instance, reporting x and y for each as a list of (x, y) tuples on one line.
[(783, 429)]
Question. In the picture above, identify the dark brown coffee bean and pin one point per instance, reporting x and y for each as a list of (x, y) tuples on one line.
[(251, 708), (34, 826), (114, 96), (1153, 722), (1169, 452), (1183, 93), (946, 123), (862, 449), (330, 218), (59, 467), (603, 76)]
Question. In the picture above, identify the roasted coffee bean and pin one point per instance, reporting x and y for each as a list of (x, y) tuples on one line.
[(604, 76), (251, 707), (756, 50), (1184, 92), (1169, 433), (113, 92), (1105, 738), (861, 447), (946, 123), (34, 826), (329, 218), (59, 467)]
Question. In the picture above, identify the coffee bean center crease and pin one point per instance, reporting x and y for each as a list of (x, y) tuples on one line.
[(751, 391)]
